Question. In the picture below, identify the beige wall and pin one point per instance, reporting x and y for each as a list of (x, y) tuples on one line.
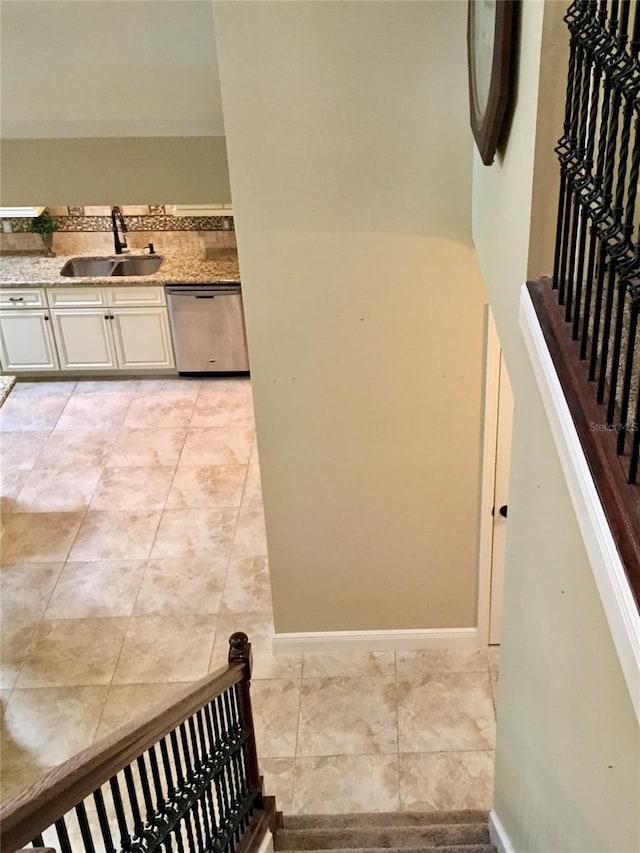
[(110, 103), (350, 160), (568, 747)]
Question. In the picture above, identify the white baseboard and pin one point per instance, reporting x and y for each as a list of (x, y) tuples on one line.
[(610, 577), (375, 641), (499, 835)]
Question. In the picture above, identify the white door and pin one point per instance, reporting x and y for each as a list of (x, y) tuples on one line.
[(142, 337), (84, 338), (26, 341), (498, 425)]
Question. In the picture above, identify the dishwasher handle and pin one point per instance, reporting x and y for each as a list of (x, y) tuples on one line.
[(201, 293)]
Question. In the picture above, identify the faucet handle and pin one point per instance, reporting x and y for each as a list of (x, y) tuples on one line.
[(152, 251)]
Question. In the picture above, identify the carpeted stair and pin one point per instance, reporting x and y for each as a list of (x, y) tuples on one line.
[(431, 832)]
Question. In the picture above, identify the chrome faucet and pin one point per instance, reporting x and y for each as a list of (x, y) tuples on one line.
[(120, 245)]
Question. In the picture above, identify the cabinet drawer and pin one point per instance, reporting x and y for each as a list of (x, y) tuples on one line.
[(76, 297), (26, 297), (132, 297)]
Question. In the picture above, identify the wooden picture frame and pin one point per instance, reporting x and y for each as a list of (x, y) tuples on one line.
[(489, 60)]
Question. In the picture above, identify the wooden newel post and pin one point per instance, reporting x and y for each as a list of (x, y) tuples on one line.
[(240, 652)]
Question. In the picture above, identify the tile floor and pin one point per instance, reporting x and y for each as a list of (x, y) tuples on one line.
[(134, 545)]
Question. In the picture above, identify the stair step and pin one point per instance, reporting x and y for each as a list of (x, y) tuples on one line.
[(456, 848), (370, 819), (402, 837)]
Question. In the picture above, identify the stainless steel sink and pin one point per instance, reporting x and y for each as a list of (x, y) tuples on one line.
[(138, 265), (89, 267), (107, 267)]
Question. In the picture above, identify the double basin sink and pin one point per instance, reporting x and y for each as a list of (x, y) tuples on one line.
[(107, 267)]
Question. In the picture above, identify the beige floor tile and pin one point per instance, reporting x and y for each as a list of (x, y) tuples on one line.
[(42, 389), (175, 586), (107, 386), (132, 488), (73, 449), (15, 639), (341, 784), (248, 589), (426, 661), (99, 412), (446, 780), (254, 458), (259, 629), (99, 589), (195, 533), (116, 535), (165, 648), (25, 589), (125, 702), (223, 387), (160, 411), (147, 447), (19, 450), (71, 652), (446, 711), (204, 486), (211, 446), (223, 412), (348, 716), (41, 538), (26, 414), (275, 704), (58, 491), (251, 536), (278, 781), (11, 483), (184, 385), (495, 677), (325, 665), (43, 727), (252, 495)]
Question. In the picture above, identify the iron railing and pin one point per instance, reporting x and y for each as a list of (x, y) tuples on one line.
[(597, 256), (185, 780)]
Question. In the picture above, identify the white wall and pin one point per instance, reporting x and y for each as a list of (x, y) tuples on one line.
[(568, 746), (350, 160), (107, 102)]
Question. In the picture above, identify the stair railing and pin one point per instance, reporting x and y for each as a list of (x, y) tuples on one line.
[(589, 310), (184, 779)]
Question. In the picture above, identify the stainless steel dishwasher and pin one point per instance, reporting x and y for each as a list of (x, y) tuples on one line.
[(207, 325)]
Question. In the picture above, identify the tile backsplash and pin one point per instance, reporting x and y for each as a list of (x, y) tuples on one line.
[(88, 229)]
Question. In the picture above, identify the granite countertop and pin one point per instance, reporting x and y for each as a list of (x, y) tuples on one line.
[(180, 267), (6, 384)]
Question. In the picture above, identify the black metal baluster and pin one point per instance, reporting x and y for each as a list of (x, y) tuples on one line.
[(138, 828), (85, 829), (233, 759), (200, 763), (208, 758), (171, 790), (125, 837), (626, 382), (181, 788), (103, 821), (63, 836), (190, 766), (38, 841), (161, 814), (241, 756), (225, 808), (635, 442), (213, 742)]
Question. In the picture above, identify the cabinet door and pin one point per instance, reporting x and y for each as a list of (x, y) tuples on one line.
[(26, 341), (142, 337), (84, 338)]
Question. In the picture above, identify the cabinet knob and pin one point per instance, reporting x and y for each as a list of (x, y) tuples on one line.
[(46, 316)]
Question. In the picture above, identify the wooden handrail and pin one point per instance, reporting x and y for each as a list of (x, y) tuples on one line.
[(33, 810)]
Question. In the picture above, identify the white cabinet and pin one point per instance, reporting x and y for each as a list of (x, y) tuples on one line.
[(85, 329), (26, 340), (84, 338), (26, 336), (113, 337), (142, 337)]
